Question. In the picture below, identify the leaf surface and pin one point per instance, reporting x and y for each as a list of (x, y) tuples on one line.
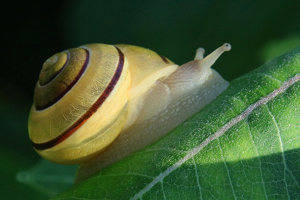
[(48, 178), (245, 144)]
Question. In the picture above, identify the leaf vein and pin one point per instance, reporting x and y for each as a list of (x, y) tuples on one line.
[(163, 191), (281, 148), (270, 77), (228, 173), (219, 133), (260, 167), (197, 176)]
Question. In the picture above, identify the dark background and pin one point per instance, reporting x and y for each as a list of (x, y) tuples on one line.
[(33, 31)]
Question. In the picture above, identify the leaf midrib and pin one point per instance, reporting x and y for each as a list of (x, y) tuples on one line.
[(190, 154)]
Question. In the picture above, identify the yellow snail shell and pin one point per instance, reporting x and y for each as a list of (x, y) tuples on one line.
[(103, 102)]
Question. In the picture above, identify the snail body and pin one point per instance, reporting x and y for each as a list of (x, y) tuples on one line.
[(98, 103)]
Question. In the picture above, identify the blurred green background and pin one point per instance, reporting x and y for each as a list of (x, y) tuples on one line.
[(33, 31)]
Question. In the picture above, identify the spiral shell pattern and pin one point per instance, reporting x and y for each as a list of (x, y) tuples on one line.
[(72, 88)]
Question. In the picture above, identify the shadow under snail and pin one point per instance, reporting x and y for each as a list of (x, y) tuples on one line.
[(98, 103)]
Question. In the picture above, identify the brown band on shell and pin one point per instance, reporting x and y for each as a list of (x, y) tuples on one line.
[(70, 86), (164, 59), (89, 113)]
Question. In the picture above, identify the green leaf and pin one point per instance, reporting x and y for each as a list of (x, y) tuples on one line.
[(48, 178), (245, 144)]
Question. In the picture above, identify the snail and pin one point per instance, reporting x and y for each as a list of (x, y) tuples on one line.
[(98, 103)]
